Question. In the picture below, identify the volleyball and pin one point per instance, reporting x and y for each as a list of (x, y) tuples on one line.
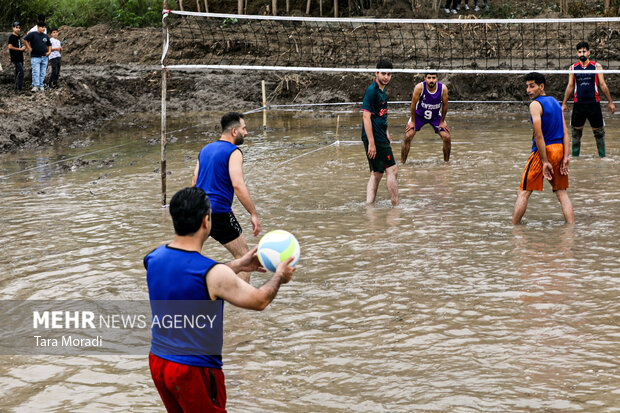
[(277, 246)]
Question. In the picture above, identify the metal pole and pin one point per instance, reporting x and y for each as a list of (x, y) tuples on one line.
[(163, 114)]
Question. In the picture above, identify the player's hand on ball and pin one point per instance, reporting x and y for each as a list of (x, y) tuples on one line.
[(286, 272), (249, 262)]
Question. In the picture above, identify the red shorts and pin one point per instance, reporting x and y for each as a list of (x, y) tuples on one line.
[(532, 178), (186, 388)]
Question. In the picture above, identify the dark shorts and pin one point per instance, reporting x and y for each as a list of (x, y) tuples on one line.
[(383, 159), (589, 111), (185, 388), (225, 227)]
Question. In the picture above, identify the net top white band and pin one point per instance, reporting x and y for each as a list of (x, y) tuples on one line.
[(396, 21), (372, 70)]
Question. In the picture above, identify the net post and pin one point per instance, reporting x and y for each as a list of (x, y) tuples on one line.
[(264, 104), (163, 111)]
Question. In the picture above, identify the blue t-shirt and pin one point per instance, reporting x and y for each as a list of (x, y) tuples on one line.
[(178, 293), (375, 102), (214, 177), (551, 121)]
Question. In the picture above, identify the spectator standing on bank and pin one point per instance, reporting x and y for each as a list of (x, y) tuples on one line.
[(477, 8), (54, 59), (451, 6), (35, 28), (40, 47), (16, 50)]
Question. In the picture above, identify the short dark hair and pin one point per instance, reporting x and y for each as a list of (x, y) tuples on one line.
[(581, 45), (384, 64), (231, 120), (188, 207), (430, 73), (41, 24), (53, 30), (538, 78)]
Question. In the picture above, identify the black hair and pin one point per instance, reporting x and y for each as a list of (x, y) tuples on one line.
[(581, 45), (231, 120), (430, 73), (384, 64), (538, 78), (41, 24), (188, 207), (54, 29)]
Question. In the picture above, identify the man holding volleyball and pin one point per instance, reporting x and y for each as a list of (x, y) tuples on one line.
[(186, 359), (219, 172), (376, 136)]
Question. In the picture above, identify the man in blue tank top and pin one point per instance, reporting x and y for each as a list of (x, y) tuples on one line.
[(550, 150), (186, 359), (584, 87), (429, 104), (219, 172)]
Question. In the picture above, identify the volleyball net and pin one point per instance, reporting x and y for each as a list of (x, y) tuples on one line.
[(199, 41)]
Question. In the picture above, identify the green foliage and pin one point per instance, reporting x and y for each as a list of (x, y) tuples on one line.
[(139, 13), (229, 22), (81, 12), (120, 13)]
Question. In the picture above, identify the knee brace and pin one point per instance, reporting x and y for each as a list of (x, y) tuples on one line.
[(576, 140), (599, 135)]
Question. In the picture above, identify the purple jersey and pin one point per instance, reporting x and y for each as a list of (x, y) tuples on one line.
[(429, 104)]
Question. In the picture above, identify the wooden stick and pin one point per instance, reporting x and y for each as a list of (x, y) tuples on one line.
[(264, 105), (337, 126), (164, 86), (308, 7)]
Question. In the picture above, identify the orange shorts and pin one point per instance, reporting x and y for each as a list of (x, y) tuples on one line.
[(532, 178)]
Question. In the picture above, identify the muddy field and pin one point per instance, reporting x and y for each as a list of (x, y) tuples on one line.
[(108, 72)]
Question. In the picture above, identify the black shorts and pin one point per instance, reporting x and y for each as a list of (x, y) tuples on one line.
[(589, 111), (383, 159), (225, 227)]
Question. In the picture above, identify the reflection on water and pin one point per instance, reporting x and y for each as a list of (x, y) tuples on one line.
[(439, 304)]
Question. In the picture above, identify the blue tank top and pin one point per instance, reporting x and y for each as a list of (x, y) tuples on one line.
[(429, 104), (177, 286), (586, 89), (551, 121), (213, 175)]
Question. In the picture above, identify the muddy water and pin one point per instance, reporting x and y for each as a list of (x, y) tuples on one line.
[(437, 305)]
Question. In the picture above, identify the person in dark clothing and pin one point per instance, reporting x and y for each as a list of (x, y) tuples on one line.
[(451, 6), (16, 50)]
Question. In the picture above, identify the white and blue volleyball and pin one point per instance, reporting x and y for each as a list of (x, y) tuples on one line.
[(277, 246)]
